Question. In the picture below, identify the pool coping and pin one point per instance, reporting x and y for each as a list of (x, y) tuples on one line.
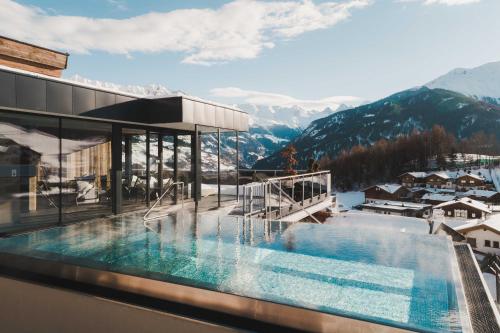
[(240, 306)]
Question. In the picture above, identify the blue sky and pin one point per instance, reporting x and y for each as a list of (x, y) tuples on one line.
[(300, 50)]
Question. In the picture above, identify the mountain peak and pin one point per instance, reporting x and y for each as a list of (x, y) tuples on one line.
[(479, 82)]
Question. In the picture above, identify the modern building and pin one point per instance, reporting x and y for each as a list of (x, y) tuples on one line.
[(70, 152)]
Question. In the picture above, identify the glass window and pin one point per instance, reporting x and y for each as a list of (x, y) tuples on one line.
[(495, 244), (133, 168), (185, 164), (487, 243), (86, 169), (209, 162), (29, 171), (228, 165)]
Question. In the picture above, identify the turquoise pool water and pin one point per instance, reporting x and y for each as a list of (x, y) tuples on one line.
[(384, 272)]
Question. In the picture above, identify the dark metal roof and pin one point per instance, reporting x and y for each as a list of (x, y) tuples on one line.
[(483, 317)]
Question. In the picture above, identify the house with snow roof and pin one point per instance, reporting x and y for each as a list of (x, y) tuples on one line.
[(412, 179), (437, 198), (440, 179), (394, 192), (483, 236), (465, 208), (470, 181), (486, 196)]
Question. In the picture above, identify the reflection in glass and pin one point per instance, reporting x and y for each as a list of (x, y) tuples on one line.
[(209, 160), (86, 165), (185, 164), (29, 171), (228, 165), (133, 168)]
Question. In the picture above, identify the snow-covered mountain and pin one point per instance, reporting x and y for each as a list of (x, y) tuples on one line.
[(482, 83)]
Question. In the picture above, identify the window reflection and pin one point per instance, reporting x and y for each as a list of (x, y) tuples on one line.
[(228, 165), (185, 164), (133, 168), (86, 165), (209, 160), (29, 171)]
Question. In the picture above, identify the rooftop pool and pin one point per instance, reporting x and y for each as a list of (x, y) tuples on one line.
[(387, 273)]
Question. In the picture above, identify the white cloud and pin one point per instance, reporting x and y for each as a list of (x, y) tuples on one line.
[(272, 99), (443, 2), (240, 29)]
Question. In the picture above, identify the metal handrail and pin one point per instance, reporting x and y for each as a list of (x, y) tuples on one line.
[(167, 191), (311, 174), (295, 203)]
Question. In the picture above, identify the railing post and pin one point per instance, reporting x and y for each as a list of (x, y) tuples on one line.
[(244, 198), (293, 189), (251, 200), (279, 203), (312, 188), (303, 190)]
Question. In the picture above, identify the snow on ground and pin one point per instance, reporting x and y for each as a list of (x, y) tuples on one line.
[(495, 177), (347, 200)]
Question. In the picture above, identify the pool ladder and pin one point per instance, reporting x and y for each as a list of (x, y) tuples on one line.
[(167, 191)]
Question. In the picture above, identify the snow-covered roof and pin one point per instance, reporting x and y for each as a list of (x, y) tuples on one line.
[(472, 175), (480, 193), (438, 197), (468, 202), (396, 205), (391, 188), (442, 174), (492, 222), (416, 174)]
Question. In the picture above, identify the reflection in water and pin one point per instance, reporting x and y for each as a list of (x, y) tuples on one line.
[(389, 276)]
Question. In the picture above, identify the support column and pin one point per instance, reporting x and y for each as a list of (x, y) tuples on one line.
[(160, 164), (218, 168), (116, 168), (196, 144), (60, 201), (148, 167), (237, 165), (176, 165)]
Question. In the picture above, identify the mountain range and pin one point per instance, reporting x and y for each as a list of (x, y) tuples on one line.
[(463, 101)]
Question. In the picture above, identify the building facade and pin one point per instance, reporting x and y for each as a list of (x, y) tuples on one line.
[(470, 182), (70, 152), (387, 192)]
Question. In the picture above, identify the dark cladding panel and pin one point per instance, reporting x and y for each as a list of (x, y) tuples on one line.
[(31, 93), (59, 97), (83, 100), (103, 99), (7, 89)]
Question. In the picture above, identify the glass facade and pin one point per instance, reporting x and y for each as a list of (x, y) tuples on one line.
[(134, 168), (60, 170), (185, 164), (228, 165), (86, 169), (29, 171)]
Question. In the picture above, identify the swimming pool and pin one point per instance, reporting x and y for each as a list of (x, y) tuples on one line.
[(384, 273)]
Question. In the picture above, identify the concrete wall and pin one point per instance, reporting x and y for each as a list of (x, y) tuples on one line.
[(28, 307)]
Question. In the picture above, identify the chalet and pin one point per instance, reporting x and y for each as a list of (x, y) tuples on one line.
[(470, 181), (439, 180), (398, 208), (437, 198), (488, 197), (412, 179), (394, 192), (483, 236), (466, 208)]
